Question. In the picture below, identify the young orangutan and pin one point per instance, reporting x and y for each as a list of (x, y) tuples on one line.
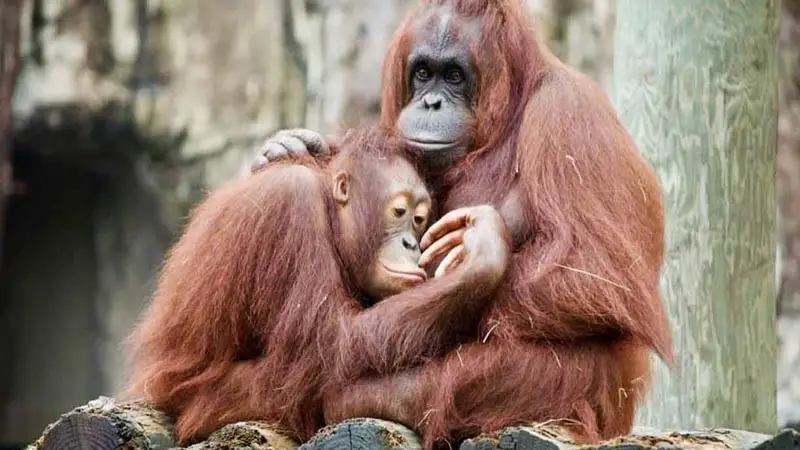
[(269, 269)]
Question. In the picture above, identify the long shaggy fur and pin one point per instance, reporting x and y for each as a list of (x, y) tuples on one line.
[(255, 318), (567, 335), (248, 301)]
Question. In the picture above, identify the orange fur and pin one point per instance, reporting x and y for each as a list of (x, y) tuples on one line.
[(241, 325), (231, 335), (567, 335)]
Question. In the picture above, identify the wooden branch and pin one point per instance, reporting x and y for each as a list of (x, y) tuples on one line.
[(104, 424)]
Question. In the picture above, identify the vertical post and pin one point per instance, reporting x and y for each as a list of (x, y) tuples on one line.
[(696, 83), (10, 12)]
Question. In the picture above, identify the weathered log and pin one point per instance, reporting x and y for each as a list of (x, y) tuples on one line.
[(104, 424), (247, 436), (556, 438), (364, 434)]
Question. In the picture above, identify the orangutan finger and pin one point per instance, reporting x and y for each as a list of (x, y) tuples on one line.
[(441, 246), (451, 261), (313, 142), (451, 221), (295, 146), (274, 150), (260, 163)]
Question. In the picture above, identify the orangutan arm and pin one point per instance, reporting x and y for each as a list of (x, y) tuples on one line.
[(586, 219), (592, 268), (488, 386), (426, 320), (399, 397)]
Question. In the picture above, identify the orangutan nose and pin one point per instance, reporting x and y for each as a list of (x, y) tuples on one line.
[(410, 243), (432, 101)]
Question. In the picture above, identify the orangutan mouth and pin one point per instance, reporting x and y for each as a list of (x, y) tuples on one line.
[(431, 145), (408, 273)]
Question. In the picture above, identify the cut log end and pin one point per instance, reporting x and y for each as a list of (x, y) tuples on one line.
[(103, 424), (364, 434), (82, 432)]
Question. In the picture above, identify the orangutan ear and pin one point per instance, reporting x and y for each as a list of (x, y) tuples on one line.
[(341, 187)]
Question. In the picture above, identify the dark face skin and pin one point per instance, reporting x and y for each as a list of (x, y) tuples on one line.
[(405, 217), (439, 116)]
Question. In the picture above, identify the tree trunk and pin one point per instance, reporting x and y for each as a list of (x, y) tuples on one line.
[(697, 85)]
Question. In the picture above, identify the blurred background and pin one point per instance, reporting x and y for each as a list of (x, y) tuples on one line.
[(125, 112)]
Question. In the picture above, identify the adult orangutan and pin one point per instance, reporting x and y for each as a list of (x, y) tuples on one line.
[(567, 333), (254, 293)]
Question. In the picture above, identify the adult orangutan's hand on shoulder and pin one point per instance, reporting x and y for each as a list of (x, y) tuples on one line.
[(294, 143)]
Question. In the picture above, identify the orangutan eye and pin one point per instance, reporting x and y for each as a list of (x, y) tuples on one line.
[(455, 76), (399, 212), (422, 73)]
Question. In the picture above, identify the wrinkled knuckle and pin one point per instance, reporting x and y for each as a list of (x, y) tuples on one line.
[(265, 145), (284, 141), (319, 148), (307, 136), (275, 153)]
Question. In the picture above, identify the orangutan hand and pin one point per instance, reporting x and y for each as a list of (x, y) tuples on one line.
[(297, 142), (474, 239)]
